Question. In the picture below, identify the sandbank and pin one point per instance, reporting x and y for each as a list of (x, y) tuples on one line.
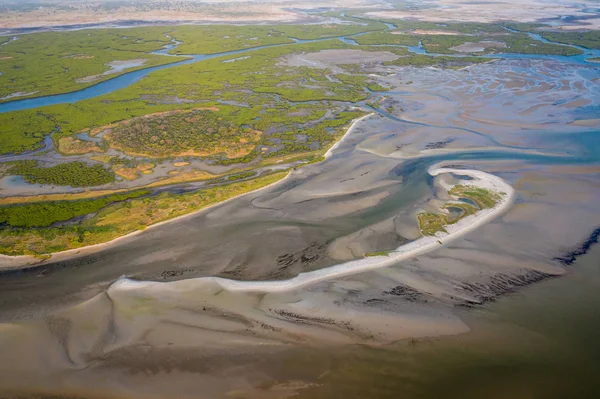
[(415, 248)]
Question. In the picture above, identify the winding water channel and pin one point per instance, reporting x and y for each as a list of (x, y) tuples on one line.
[(130, 78)]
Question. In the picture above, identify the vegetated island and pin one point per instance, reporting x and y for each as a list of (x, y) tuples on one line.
[(39, 229)]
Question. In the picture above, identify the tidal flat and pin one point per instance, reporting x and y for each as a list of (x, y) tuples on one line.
[(432, 322)]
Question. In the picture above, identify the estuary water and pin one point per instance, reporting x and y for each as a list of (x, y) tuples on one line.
[(537, 343), (464, 321)]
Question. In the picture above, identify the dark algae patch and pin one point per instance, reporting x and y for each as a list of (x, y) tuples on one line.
[(570, 257)]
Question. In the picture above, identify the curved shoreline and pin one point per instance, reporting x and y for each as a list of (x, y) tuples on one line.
[(22, 262), (418, 247)]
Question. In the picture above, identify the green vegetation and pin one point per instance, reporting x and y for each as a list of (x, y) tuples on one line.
[(199, 132), (484, 199), (221, 38), (409, 33), (74, 174), (74, 146), (380, 38), (24, 130), (121, 218), (431, 223), (47, 63), (445, 44), (256, 81), (588, 39), (465, 210), (259, 110), (241, 176), (57, 62), (380, 253), (44, 214), (214, 39), (439, 61)]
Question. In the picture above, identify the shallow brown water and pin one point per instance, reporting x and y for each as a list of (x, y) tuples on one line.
[(538, 343)]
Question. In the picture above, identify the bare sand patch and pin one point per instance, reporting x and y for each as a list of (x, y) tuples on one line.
[(586, 122), (471, 47), (132, 173), (432, 32), (591, 23), (276, 11), (487, 12), (18, 94), (180, 164), (73, 146), (115, 67), (324, 58)]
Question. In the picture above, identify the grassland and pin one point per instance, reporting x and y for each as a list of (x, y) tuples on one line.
[(265, 88), (484, 199), (432, 223), (73, 146), (26, 199), (192, 132), (420, 60), (74, 174), (378, 253), (445, 44), (388, 38), (516, 42), (44, 214), (47, 63), (256, 82), (588, 39), (121, 218), (221, 38)]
